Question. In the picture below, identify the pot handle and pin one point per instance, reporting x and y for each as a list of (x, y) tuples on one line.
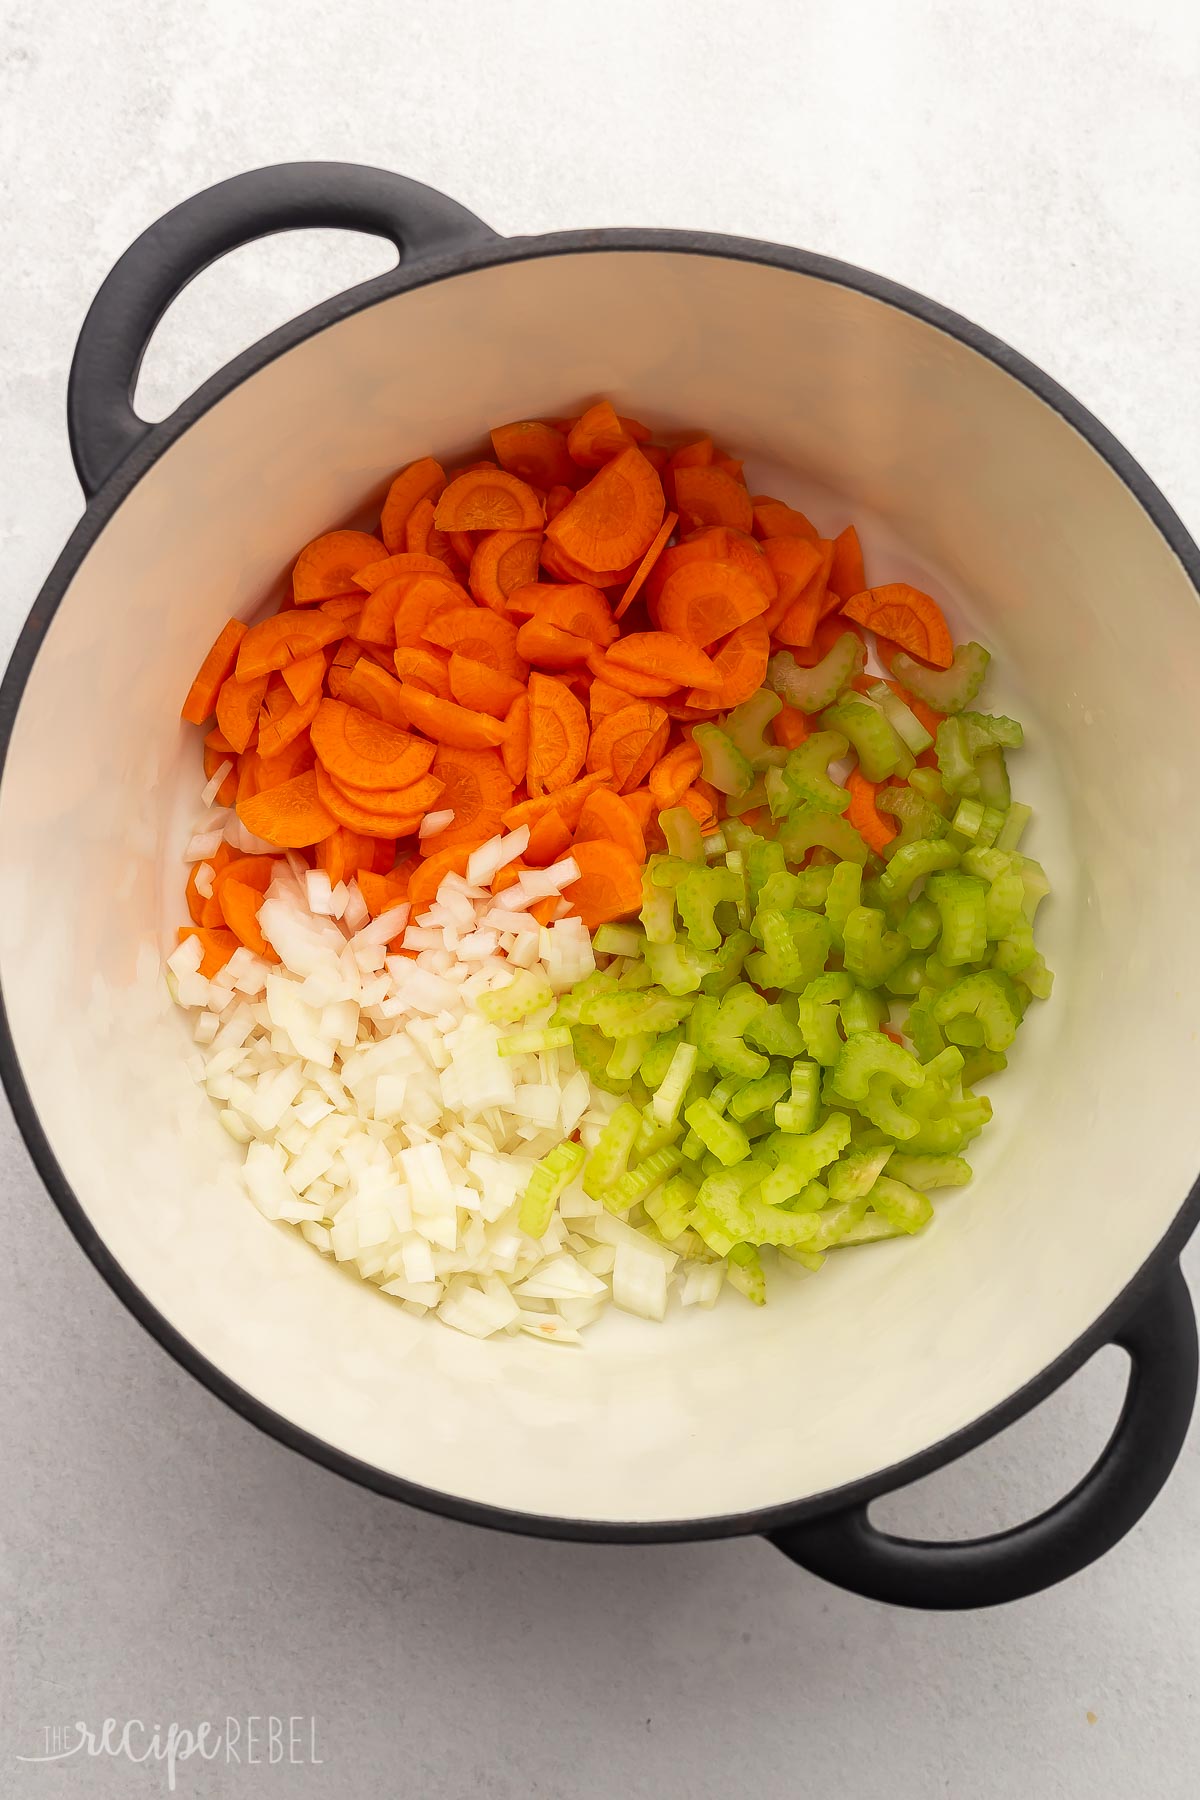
[(102, 424), (846, 1549)]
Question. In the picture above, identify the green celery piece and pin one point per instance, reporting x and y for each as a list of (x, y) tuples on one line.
[(724, 1039), (872, 1229), (634, 975), (1037, 977), (755, 795), (960, 742), (923, 1172), (982, 731), (636, 1183), (862, 1011), (609, 1159), (968, 819), (627, 1054), (702, 1017), (992, 770), (681, 829), (723, 766), (527, 992), (745, 1273), (806, 827), (946, 690), (729, 960), (764, 858), (775, 1030), (871, 951), (669, 1094), (592, 1051), (918, 817), (813, 689), (740, 837), (657, 1060), (835, 984), (806, 772), (812, 886), (836, 1223), (779, 792), (658, 908), (928, 783), (758, 1096), (870, 1053), (989, 995), (1015, 820), (982, 1063), (800, 1158), (1004, 908), (653, 1134), (722, 1091), (907, 978), (901, 1205), (1036, 884), (680, 967), (966, 1032), (842, 895), (938, 975), (746, 727), (812, 1261), (618, 940), (715, 845), (852, 1177), (961, 901), (921, 924), (955, 763), (669, 871), (670, 1206), (692, 1146), (697, 898), (780, 964), (619, 1015), (799, 944), (524, 1043), (924, 1032), (924, 856), (735, 863), (549, 1180), (779, 893), (724, 1137), (880, 750), (778, 1225), (993, 824), (818, 1021), (901, 718), (719, 1199), (990, 864)]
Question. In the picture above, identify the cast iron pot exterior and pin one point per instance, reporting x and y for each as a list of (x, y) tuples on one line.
[(829, 1534)]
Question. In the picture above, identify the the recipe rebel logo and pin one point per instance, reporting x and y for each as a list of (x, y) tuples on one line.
[(251, 1739)]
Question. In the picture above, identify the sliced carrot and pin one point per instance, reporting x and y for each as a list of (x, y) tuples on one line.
[(629, 681), (568, 802), (213, 672), (791, 727), (206, 909), (285, 637), (218, 946), (608, 816), (710, 496), (290, 815), (548, 647), (703, 601), (366, 752), (558, 735), (482, 635), (240, 903), (503, 560), (700, 801), (429, 669), (328, 565), (640, 802), (421, 480), (381, 892), (640, 576), (343, 852), (793, 561), (535, 452), (280, 766), (477, 789), (773, 519), (597, 436), (368, 687), (741, 664), (412, 801), (238, 705), (216, 740), (305, 676), (673, 774), (609, 884), (404, 562), (381, 822), (462, 545), (401, 607), (283, 720), (907, 617), (426, 879), (605, 697), (545, 911), (872, 826), (488, 499), (662, 654), (629, 743), (514, 751), (510, 874), (615, 517), (732, 465), (696, 455), (447, 723), (549, 838), (846, 574), (213, 760), (481, 688), (421, 536), (556, 498), (559, 563), (799, 623)]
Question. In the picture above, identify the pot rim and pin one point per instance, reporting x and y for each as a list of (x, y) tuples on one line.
[(158, 439)]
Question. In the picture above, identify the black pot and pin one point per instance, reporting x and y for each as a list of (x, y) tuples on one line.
[(960, 459)]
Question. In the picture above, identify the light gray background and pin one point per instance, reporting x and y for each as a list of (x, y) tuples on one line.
[(1036, 167)]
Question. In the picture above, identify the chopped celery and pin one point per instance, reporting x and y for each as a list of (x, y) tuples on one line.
[(746, 727), (681, 829), (527, 1043), (928, 783), (853, 1176), (1036, 886), (618, 1015), (745, 1273), (810, 690), (966, 1032), (757, 1096), (799, 1112), (842, 895), (658, 908), (955, 764), (992, 770), (930, 1171), (668, 1097), (812, 886), (800, 1157), (873, 1228), (980, 1064), (609, 1159), (968, 819), (1004, 908), (961, 901), (901, 717), (697, 898), (680, 967), (549, 1180), (871, 951), (669, 871), (723, 765), (775, 1030), (670, 1206), (653, 1134), (862, 1011), (724, 1040), (880, 750), (921, 924), (764, 858), (806, 772), (836, 1223), (779, 892), (722, 1091), (900, 1204), (729, 960), (527, 992), (806, 827), (907, 978), (918, 816), (755, 795), (924, 856), (868, 1054), (989, 995), (627, 1054), (946, 690), (592, 1051), (1015, 820), (618, 940), (724, 1137), (1037, 977), (638, 1182), (735, 863)]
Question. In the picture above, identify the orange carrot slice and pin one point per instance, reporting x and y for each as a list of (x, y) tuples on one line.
[(240, 903), (548, 647), (549, 838), (366, 752), (741, 664), (503, 560), (703, 601), (872, 826), (427, 878), (400, 608), (213, 672), (514, 751), (609, 884), (567, 802), (480, 634), (381, 892), (673, 774), (328, 565), (629, 743), (290, 815), (710, 496), (597, 436), (793, 561), (661, 654), (429, 669), (605, 697), (475, 685), (905, 616), (558, 563), (421, 536), (343, 852), (535, 452), (218, 946), (488, 499), (556, 498), (382, 823), (608, 816), (305, 676), (404, 562), (281, 765), (773, 519), (477, 789), (238, 706), (629, 681), (612, 520), (696, 455), (799, 623), (846, 574), (447, 723), (286, 637), (790, 727), (638, 580), (558, 735), (578, 608), (700, 801), (421, 480)]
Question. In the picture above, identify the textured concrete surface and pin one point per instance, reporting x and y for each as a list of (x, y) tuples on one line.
[(1035, 167)]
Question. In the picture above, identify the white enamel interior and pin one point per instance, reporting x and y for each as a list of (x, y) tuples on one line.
[(970, 484)]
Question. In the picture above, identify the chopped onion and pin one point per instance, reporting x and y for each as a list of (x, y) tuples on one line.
[(434, 822)]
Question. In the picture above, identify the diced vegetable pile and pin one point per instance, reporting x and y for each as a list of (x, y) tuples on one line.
[(576, 917)]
